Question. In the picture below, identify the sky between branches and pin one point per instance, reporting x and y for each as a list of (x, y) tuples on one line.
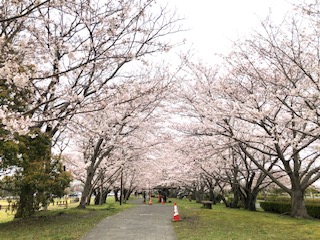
[(214, 24)]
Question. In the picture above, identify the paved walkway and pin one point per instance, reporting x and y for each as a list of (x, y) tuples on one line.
[(152, 222)]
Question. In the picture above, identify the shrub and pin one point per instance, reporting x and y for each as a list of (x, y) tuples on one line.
[(283, 207), (277, 198), (277, 207), (312, 201), (314, 210)]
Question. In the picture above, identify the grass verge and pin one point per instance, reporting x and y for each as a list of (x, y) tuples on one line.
[(67, 224), (225, 223)]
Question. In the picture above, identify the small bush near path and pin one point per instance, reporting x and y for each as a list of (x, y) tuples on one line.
[(67, 224), (226, 223)]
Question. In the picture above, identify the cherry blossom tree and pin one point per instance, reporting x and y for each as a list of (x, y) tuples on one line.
[(203, 107), (267, 103), (65, 54), (272, 89), (78, 46), (127, 119), (264, 103)]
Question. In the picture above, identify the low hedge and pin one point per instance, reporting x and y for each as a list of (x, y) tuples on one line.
[(313, 210), (312, 201), (276, 207), (283, 207), (274, 198)]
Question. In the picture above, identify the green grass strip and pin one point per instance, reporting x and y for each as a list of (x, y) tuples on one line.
[(67, 224), (224, 223)]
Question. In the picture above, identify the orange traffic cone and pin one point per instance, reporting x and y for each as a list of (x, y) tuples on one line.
[(150, 201), (175, 213)]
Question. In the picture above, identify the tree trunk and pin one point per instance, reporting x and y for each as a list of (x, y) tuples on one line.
[(298, 208), (249, 198), (128, 193), (212, 196), (225, 201), (26, 203), (198, 196), (97, 198), (235, 201), (125, 193), (104, 197), (101, 189), (251, 201), (86, 189), (121, 188), (116, 198)]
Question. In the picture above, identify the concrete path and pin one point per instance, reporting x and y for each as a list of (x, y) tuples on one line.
[(152, 222)]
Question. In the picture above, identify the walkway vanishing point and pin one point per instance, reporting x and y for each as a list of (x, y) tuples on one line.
[(152, 222)]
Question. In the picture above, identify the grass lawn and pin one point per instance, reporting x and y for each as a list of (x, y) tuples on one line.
[(224, 223), (59, 223), (197, 223), (5, 217)]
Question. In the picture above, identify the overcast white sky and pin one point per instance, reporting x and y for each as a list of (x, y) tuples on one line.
[(214, 24)]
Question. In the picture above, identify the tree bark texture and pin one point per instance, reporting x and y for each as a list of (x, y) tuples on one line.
[(26, 203)]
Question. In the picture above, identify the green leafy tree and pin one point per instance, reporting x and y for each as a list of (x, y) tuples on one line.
[(27, 168), (36, 176)]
